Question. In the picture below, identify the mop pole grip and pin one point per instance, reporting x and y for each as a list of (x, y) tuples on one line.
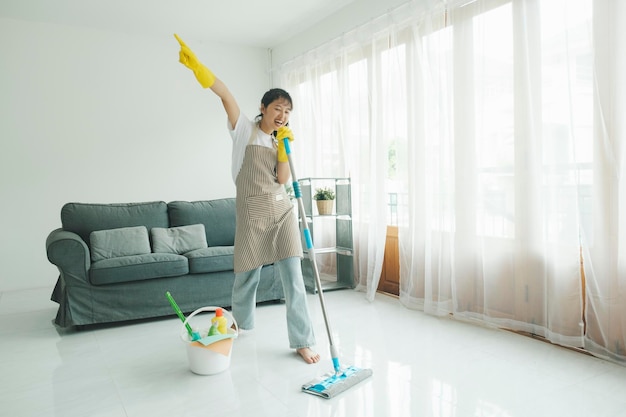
[(296, 189), (287, 147), (296, 185), (307, 239)]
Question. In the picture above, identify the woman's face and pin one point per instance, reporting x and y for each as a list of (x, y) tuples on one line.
[(275, 115)]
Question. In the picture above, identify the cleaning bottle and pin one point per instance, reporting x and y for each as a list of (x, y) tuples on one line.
[(221, 321), (213, 330)]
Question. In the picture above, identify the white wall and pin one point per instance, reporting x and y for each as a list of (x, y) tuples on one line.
[(106, 117)]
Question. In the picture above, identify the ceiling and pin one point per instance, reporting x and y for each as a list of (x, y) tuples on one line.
[(258, 23)]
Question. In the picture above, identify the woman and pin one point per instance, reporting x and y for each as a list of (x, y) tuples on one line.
[(266, 230)]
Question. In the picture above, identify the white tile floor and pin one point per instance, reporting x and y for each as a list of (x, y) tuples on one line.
[(423, 366)]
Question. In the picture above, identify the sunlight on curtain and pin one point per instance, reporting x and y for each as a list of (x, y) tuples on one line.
[(343, 133), (496, 125), (499, 243), (603, 222)]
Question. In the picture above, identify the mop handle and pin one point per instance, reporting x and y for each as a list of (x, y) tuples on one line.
[(311, 249)]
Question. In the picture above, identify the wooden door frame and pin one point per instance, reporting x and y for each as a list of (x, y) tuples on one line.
[(390, 274)]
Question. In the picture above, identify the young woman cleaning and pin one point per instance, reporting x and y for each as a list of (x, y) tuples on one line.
[(266, 230)]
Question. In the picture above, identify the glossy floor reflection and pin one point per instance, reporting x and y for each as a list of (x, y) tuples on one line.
[(423, 366)]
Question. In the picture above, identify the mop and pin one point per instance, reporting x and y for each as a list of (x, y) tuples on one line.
[(343, 378)]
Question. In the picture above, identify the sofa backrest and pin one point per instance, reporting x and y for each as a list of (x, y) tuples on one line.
[(84, 218), (217, 216)]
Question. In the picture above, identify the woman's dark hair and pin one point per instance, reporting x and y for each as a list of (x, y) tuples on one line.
[(273, 95)]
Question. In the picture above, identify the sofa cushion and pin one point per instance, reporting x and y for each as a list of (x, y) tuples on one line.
[(137, 268), (217, 216), (84, 218), (113, 243), (212, 259), (178, 239)]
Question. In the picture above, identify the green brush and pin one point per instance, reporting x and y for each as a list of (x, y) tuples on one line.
[(194, 335)]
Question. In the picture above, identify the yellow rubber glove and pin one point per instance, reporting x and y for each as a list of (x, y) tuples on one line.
[(283, 132), (186, 57)]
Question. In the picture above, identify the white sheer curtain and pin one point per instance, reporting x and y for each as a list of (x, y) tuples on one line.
[(497, 124), (493, 232), (604, 238), (344, 113)]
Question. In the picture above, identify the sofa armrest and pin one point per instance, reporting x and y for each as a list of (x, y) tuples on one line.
[(70, 254)]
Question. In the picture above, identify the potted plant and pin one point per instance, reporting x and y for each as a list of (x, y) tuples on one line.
[(324, 199)]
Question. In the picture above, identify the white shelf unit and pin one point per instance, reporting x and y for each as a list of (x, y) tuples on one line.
[(331, 234)]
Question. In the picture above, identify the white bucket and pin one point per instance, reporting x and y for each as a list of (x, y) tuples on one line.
[(214, 357)]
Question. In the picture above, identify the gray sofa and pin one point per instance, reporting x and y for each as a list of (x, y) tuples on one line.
[(117, 261)]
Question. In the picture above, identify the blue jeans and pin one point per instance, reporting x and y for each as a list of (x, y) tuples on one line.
[(299, 328)]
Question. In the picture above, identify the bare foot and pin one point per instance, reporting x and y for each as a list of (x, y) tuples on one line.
[(308, 355)]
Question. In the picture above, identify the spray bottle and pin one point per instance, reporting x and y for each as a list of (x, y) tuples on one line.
[(221, 321)]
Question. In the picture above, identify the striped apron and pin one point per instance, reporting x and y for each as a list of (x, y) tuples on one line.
[(266, 229)]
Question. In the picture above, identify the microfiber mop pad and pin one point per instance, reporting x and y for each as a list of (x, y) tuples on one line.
[(331, 384)]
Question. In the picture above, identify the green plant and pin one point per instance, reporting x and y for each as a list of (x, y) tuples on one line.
[(324, 194)]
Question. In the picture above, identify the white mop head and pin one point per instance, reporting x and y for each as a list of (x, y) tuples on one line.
[(329, 385)]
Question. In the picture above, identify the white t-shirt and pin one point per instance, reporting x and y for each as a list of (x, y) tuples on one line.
[(241, 136)]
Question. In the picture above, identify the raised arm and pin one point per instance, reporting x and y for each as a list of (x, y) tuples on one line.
[(207, 79)]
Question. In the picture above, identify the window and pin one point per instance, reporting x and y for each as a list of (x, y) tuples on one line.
[(494, 121)]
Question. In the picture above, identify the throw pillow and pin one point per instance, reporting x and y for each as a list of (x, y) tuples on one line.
[(124, 241), (178, 240)]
